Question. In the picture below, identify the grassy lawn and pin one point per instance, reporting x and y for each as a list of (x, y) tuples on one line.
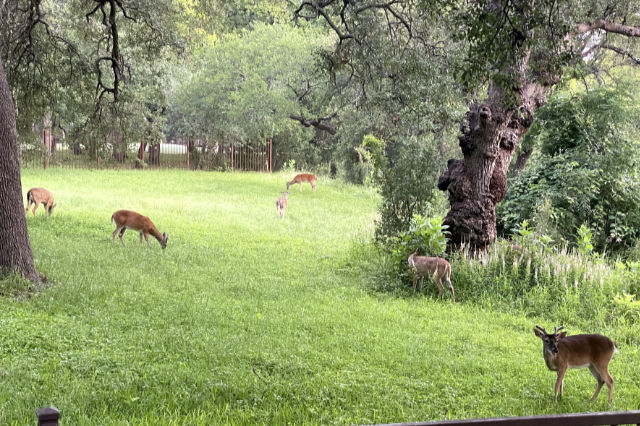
[(246, 318)]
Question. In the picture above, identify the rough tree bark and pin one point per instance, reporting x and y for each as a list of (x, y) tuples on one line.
[(488, 141), (141, 151), (15, 248)]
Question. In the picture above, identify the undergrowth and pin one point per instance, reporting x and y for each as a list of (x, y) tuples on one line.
[(585, 291)]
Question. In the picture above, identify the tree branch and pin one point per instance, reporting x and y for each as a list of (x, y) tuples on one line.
[(610, 27), (316, 122), (622, 52)]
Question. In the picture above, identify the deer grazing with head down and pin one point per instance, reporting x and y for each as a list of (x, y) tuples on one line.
[(281, 204), (304, 177), (423, 266), (37, 196), (126, 219), (581, 350)]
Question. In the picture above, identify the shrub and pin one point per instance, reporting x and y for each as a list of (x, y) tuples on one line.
[(584, 172), (408, 186)]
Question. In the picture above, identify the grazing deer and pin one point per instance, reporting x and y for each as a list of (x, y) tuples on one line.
[(37, 196), (304, 177), (126, 219), (422, 266), (582, 350), (281, 204)]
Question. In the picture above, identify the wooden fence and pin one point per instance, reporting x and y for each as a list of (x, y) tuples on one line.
[(181, 153), (49, 416)]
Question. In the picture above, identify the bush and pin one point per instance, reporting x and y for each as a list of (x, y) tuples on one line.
[(408, 186), (585, 172)]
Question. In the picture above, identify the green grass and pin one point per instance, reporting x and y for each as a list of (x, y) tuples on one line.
[(246, 318)]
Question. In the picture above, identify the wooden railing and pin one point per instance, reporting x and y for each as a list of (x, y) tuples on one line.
[(49, 416), (574, 419)]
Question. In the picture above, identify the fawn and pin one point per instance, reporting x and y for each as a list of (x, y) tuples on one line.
[(422, 266), (281, 204), (37, 196)]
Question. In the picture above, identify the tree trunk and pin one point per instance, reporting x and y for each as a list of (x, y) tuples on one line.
[(15, 248), (141, 151), (154, 154), (479, 181)]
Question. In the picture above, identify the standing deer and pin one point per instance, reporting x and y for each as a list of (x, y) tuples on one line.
[(37, 196), (126, 219), (582, 350), (304, 177), (422, 266), (281, 204)]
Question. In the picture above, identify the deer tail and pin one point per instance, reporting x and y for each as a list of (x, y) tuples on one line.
[(29, 196), (410, 260), (113, 220)]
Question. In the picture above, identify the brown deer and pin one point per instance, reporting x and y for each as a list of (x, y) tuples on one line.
[(303, 177), (281, 204), (37, 196), (582, 350), (126, 219), (422, 266)]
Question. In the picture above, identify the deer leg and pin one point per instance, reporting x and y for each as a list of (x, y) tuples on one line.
[(146, 237), (438, 281), (26, 210), (609, 381), (453, 293), (605, 377), (122, 231), (113, 236), (599, 379), (35, 207), (559, 384)]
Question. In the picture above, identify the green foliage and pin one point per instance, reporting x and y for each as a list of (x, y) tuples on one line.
[(247, 86), (408, 185), (498, 36), (585, 171), (375, 148), (584, 240), (427, 236)]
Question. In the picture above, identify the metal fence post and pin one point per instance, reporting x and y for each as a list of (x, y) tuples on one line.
[(48, 416)]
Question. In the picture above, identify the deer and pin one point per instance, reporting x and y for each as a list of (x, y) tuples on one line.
[(303, 177), (422, 266), (281, 204), (126, 219), (581, 350), (37, 196)]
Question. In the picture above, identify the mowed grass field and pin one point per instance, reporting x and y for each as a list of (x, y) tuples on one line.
[(249, 319)]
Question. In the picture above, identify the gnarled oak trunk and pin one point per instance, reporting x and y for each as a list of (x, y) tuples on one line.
[(478, 182), (15, 248)]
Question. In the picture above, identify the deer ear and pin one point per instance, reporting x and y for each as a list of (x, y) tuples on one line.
[(537, 333), (562, 335)]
